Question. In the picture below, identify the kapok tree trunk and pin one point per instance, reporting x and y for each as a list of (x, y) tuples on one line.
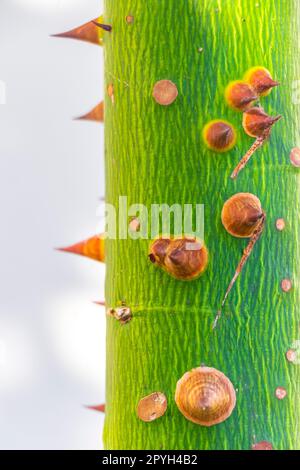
[(156, 154)]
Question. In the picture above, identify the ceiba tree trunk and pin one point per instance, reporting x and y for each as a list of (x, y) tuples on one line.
[(156, 154)]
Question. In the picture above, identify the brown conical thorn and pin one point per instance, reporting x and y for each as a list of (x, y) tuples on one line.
[(242, 207), (240, 95), (99, 302), (258, 124), (241, 214), (91, 248), (219, 135), (96, 114), (88, 32), (99, 408), (260, 79), (105, 27)]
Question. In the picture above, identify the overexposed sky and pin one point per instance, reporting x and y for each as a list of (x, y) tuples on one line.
[(52, 337)]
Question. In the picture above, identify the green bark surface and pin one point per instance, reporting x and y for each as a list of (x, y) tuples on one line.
[(155, 154)]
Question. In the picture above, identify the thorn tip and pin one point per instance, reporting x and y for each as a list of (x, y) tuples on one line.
[(88, 32), (99, 408), (96, 114), (91, 248)]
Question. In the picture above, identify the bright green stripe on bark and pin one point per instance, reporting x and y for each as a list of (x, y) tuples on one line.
[(155, 154)]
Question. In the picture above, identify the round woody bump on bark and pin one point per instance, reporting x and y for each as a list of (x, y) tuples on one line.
[(111, 92), (219, 135), (286, 285), (129, 19), (295, 157), (152, 407), (291, 356), (165, 92), (280, 393), (205, 396), (280, 225), (134, 225)]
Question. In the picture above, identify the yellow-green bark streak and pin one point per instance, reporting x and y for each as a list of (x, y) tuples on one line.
[(155, 154)]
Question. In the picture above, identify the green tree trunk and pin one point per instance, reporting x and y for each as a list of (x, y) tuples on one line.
[(155, 154)]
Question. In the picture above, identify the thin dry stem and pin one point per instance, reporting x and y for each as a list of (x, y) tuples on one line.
[(257, 144), (247, 252)]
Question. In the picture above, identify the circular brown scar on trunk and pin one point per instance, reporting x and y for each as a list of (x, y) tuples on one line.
[(165, 92)]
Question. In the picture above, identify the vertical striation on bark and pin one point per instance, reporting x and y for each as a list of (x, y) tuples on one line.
[(156, 154)]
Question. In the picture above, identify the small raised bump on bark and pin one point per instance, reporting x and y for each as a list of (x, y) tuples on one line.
[(291, 356), (134, 224), (205, 396), (122, 314), (286, 285), (295, 157), (129, 19), (165, 92), (263, 445), (280, 393), (240, 96), (280, 225), (183, 258), (219, 135), (152, 407), (111, 92), (260, 79)]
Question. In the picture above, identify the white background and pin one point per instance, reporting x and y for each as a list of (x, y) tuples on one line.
[(52, 337)]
